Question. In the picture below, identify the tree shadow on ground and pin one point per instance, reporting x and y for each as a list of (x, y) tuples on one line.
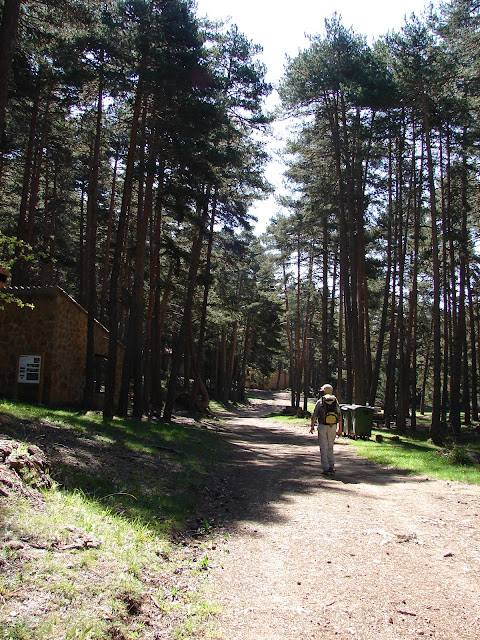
[(151, 472), (186, 473), (270, 461)]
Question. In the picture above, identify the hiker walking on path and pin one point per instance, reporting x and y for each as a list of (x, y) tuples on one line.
[(327, 415)]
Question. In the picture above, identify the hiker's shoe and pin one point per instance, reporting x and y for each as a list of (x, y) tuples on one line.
[(328, 472), (331, 470)]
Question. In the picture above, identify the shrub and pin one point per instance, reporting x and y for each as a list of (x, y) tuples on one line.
[(460, 456)]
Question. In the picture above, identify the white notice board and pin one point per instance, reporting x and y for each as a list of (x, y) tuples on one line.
[(29, 369)]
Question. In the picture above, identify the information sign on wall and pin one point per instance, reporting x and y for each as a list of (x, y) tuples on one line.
[(29, 369)]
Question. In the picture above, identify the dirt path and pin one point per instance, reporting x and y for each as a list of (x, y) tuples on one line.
[(367, 554)]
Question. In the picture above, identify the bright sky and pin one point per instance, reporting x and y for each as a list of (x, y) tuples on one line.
[(281, 31)]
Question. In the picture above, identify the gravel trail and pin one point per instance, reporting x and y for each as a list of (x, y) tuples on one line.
[(366, 554)]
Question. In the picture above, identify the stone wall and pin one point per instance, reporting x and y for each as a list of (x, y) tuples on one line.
[(56, 329)]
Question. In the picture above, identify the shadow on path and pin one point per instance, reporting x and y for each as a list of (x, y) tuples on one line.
[(268, 461)]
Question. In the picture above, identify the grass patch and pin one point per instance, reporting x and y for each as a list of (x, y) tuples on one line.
[(106, 552), (417, 455), (279, 417), (116, 462), (72, 569), (217, 408)]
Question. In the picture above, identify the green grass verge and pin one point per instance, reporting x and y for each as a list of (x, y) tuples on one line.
[(278, 417), (417, 455), (133, 489), (289, 419), (105, 553)]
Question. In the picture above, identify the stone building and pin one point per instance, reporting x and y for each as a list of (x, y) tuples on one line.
[(42, 350)]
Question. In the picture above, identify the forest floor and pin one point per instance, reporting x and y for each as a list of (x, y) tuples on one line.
[(369, 553)]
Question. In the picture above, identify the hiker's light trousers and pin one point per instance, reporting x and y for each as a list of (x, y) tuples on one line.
[(326, 438)]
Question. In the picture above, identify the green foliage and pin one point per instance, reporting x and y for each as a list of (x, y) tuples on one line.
[(243, 295), (193, 153), (355, 170), (11, 250), (16, 631), (459, 456)]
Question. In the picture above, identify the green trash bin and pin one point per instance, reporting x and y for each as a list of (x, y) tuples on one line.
[(346, 411), (362, 421)]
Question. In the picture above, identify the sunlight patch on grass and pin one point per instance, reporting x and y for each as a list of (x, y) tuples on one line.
[(74, 582), (88, 549), (418, 457), (217, 407)]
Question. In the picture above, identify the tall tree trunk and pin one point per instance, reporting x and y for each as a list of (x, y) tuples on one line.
[(346, 266), (306, 338), (357, 338), (411, 347), (298, 358), (187, 319), (157, 366), (222, 393), (8, 38), (91, 253), (392, 343), (145, 214), (199, 379), (306, 369), (325, 300), (46, 227), (111, 368), (34, 192), (340, 345), (198, 374), (362, 177), (106, 259), (473, 347), (249, 335), (81, 239), (436, 429), (53, 228), (289, 334), (402, 395), (135, 310), (463, 288), (231, 364), (426, 368), (18, 269), (154, 331), (386, 293), (392, 352)]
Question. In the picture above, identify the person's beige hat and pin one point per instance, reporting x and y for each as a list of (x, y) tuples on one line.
[(327, 389)]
